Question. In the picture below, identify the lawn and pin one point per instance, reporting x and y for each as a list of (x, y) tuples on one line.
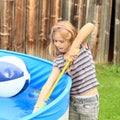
[(109, 91)]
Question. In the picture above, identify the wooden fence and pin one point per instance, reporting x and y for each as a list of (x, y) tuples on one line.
[(25, 25)]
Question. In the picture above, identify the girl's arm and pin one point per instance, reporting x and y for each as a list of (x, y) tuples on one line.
[(46, 88), (81, 38)]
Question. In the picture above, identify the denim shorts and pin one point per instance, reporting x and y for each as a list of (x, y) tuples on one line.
[(84, 108)]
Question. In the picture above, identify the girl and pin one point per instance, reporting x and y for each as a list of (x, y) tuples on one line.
[(67, 44)]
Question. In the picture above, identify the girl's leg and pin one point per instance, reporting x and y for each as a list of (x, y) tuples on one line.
[(86, 108), (73, 115)]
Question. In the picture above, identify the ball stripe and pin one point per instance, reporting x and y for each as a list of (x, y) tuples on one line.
[(9, 71)]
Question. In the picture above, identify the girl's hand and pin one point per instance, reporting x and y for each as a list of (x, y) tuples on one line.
[(73, 54), (35, 109)]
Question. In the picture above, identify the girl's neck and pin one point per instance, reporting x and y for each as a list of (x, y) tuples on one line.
[(65, 55)]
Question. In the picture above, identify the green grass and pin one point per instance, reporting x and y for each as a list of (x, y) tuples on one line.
[(109, 91)]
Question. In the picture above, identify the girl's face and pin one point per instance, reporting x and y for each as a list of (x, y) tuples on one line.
[(61, 44)]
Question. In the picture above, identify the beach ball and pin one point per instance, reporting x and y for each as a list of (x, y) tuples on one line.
[(14, 76)]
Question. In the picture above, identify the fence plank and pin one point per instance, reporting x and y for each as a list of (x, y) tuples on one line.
[(103, 46), (117, 34), (43, 28), (31, 26), (93, 14), (80, 13), (68, 10), (1, 15), (19, 35), (6, 24)]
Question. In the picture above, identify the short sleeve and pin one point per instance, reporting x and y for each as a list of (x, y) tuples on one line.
[(59, 62), (55, 64)]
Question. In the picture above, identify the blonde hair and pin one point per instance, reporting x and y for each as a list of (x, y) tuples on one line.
[(68, 32)]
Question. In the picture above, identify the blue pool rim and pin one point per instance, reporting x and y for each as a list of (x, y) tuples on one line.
[(41, 113)]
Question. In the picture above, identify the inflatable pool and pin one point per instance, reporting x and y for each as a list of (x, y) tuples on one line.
[(20, 107)]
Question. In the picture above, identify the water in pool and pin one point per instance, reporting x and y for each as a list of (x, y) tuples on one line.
[(17, 107)]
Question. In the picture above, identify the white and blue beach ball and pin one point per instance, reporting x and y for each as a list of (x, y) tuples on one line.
[(14, 76)]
